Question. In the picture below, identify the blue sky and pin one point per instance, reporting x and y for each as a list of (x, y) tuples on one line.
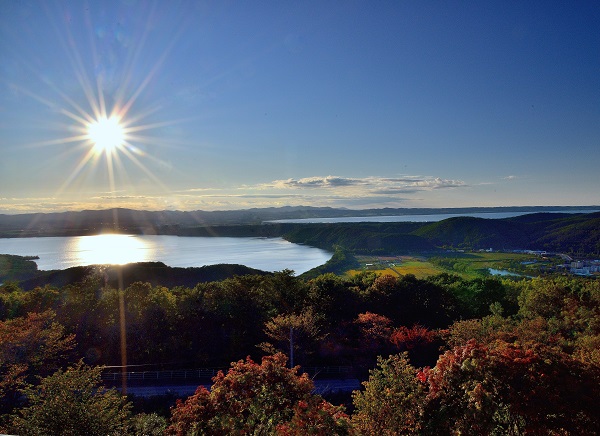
[(358, 104)]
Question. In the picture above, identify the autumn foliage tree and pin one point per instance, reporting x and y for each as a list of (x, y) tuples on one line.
[(374, 330), (508, 388), (31, 347), (499, 387), (255, 399), (316, 416), (409, 338)]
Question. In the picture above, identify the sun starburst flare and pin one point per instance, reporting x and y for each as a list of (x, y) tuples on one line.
[(111, 135), (107, 134)]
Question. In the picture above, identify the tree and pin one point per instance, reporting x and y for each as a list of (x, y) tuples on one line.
[(409, 338), (239, 308), (30, 347), (297, 334), (316, 417), (392, 401), (148, 424), (408, 300), (14, 302), (72, 403), (506, 388), (283, 291), (194, 416), (374, 332), (331, 297), (249, 399)]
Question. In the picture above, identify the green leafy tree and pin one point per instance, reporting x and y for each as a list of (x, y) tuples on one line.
[(333, 298), (14, 302), (148, 424), (73, 403), (299, 335), (570, 310), (392, 400), (283, 292)]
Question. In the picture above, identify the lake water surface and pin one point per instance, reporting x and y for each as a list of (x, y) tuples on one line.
[(267, 254)]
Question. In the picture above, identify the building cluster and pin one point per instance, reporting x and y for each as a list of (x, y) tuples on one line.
[(582, 267)]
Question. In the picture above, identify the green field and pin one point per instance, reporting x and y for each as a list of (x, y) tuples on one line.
[(467, 265), (397, 265)]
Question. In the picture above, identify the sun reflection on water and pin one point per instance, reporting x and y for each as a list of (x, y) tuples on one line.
[(112, 249)]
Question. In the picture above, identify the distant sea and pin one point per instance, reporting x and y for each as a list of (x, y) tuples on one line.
[(418, 218)]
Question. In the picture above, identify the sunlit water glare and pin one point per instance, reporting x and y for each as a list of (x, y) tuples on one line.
[(110, 249)]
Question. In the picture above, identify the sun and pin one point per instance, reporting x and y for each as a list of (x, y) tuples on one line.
[(106, 134)]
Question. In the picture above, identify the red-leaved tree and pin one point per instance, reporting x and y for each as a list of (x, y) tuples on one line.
[(255, 398), (508, 388), (408, 338)]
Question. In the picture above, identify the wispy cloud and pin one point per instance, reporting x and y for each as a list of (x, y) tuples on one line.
[(372, 185), (313, 182), (121, 197)]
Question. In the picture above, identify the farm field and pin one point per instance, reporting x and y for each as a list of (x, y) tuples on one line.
[(474, 264), (467, 265), (420, 267)]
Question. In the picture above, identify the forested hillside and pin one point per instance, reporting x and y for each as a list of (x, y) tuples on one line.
[(155, 273), (577, 234), (360, 237)]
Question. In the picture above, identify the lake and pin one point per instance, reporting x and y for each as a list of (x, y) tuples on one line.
[(267, 254)]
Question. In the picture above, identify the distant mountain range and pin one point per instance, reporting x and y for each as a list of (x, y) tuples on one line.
[(139, 221)]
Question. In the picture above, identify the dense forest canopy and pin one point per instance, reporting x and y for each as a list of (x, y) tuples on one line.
[(536, 338)]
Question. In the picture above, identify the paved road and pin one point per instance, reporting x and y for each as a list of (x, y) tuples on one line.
[(321, 387)]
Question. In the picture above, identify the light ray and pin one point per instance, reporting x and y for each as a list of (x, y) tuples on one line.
[(154, 69), (141, 166), (90, 155), (120, 95), (59, 141)]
